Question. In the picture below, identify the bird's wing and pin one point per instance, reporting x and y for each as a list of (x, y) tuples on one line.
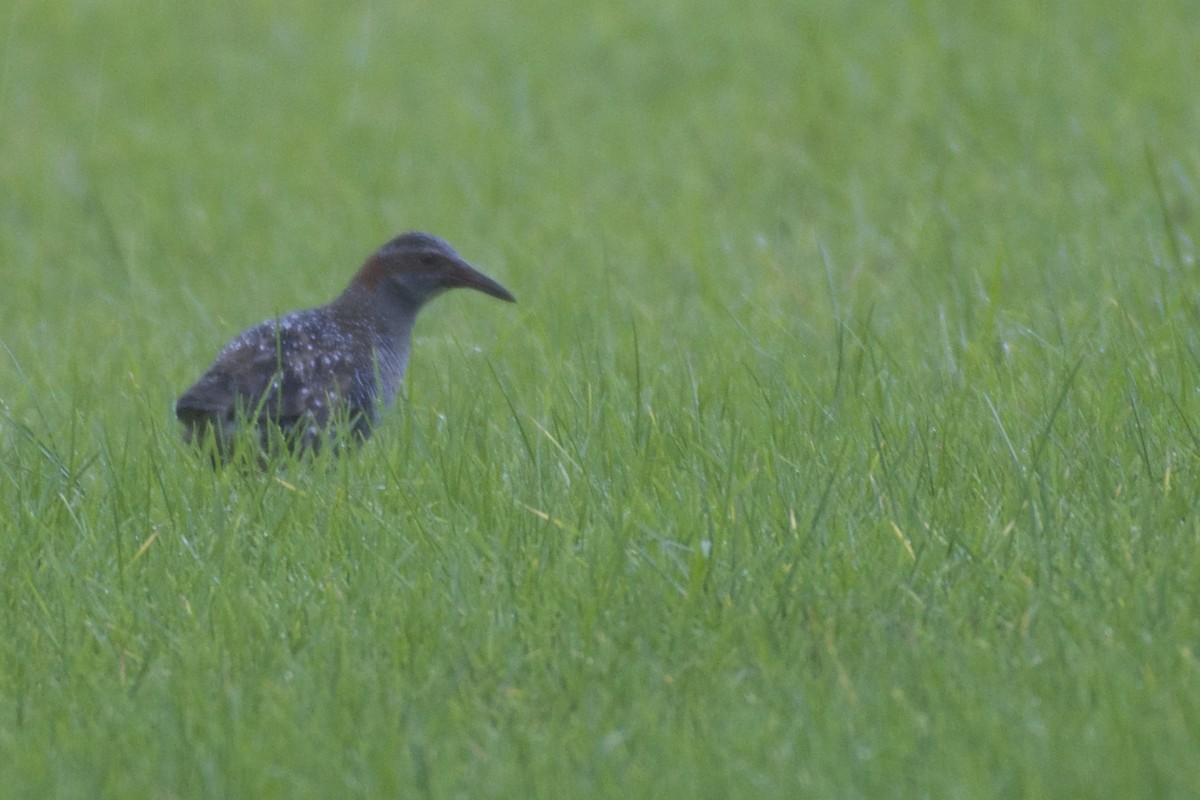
[(239, 377), (268, 372)]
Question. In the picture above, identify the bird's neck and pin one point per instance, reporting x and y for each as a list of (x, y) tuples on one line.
[(384, 322), (387, 316)]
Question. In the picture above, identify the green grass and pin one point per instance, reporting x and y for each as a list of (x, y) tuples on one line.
[(845, 441)]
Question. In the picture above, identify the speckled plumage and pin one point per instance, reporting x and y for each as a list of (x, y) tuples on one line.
[(338, 362)]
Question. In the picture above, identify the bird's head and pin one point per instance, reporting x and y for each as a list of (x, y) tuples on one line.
[(416, 267)]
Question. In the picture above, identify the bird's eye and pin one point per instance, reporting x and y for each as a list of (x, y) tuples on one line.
[(428, 259)]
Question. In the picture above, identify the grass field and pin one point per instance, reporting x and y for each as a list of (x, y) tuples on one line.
[(845, 440)]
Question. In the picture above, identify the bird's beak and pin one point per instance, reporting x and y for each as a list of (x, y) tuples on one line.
[(467, 277)]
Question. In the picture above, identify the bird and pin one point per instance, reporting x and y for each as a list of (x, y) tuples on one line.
[(325, 372)]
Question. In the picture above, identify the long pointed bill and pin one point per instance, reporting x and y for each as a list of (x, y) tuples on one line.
[(468, 277)]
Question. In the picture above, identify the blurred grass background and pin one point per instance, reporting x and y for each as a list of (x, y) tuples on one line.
[(844, 441)]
